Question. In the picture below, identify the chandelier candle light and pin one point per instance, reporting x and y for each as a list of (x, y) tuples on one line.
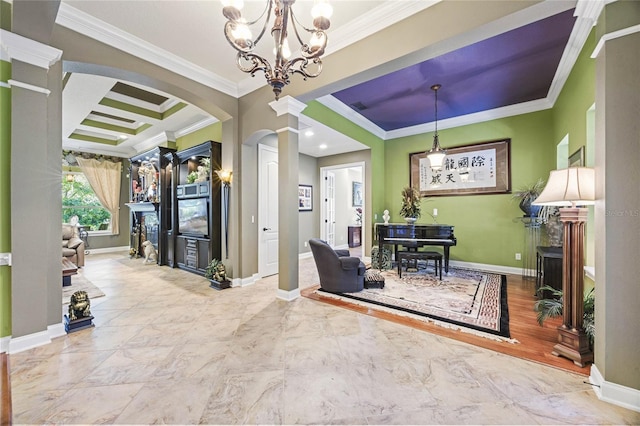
[(436, 154), (238, 34)]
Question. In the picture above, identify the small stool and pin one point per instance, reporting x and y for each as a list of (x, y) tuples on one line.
[(423, 255)]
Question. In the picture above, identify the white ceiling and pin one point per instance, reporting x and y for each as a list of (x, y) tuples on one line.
[(189, 35)]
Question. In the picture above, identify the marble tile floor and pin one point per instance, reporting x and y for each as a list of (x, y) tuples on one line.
[(168, 349)]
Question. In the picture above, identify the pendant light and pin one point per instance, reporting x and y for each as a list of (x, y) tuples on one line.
[(436, 154)]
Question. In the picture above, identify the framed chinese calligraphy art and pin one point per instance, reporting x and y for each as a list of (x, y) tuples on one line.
[(482, 168)]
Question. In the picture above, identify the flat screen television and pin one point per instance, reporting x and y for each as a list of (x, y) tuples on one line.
[(193, 217)]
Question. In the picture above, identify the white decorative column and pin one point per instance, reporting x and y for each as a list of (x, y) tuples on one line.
[(290, 109)]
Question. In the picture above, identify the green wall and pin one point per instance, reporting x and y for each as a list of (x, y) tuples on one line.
[(5, 198), (330, 118), (487, 227), (212, 132)]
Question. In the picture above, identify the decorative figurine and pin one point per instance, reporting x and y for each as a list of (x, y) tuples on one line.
[(386, 217), (79, 305), (150, 253)]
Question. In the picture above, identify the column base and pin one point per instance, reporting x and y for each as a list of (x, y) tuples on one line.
[(573, 344)]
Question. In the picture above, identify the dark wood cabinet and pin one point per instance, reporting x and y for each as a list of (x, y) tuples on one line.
[(548, 269), (150, 201), (196, 233), (354, 236)]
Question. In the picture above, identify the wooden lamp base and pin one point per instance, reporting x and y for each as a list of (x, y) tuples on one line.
[(573, 344)]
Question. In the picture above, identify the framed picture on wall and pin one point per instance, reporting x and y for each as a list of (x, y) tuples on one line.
[(305, 198), (356, 194), (479, 168), (577, 158)]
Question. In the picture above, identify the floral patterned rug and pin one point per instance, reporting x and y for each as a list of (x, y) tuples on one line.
[(465, 299)]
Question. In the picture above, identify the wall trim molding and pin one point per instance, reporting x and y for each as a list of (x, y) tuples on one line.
[(56, 330), (612, 36), (85, 24), (29, 341), (614, 393), (29, 51), (288, 296), (108, 250), (28, 86), (4, 344)]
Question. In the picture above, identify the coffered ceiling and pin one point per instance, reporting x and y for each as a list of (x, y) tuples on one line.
[(514, 65)]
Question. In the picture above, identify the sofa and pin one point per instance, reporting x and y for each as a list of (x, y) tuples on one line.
[(72, 245), (338, 271)]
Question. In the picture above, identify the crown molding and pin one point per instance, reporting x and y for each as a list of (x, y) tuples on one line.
[(342, 109), (85, 24), (23, 49), (613, 35), (196, 126), (383, 16)]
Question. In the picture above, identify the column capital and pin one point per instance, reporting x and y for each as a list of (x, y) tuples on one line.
[(287, 105), (28, 51)]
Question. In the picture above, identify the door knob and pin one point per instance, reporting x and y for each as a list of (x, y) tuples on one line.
[(266, 229)]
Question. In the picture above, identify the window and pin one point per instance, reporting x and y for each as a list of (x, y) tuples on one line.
[(78, 199)]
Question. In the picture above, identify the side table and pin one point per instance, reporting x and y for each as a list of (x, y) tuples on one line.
[(548, 269)]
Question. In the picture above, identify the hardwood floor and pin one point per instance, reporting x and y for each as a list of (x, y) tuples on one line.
[(535, 342), (5, 390)]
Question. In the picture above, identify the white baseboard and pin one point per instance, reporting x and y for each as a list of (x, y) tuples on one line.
[(244, 282), (4, 344), (107, 250), (306, 255), (489, 268), (614, 393), (33, 340), (56, 330), (288, 296)]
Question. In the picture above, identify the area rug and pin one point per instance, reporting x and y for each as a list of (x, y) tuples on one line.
[(467, 300), (80, 283)]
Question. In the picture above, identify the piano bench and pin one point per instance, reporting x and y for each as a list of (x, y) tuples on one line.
[(422, 255)]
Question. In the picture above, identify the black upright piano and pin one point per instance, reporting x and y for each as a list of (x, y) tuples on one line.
[(416, 236)]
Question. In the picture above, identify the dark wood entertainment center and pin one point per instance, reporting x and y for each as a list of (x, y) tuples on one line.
[(178, 210)]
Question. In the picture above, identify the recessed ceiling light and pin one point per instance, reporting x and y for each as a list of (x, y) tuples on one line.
[(123, 136), (323, 146), (308, 133)]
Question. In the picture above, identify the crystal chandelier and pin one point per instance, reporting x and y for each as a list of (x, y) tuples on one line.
[(238, 34), (436, 154)]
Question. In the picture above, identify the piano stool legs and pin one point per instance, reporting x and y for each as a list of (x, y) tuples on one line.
[(422, 255)]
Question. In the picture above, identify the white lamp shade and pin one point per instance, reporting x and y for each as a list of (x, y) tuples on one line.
[(568, 187), (436, 158)]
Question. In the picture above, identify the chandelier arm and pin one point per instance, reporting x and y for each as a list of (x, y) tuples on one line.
[(266, 21), (299, 66), (295, 21), (257, 63), (228, 28)]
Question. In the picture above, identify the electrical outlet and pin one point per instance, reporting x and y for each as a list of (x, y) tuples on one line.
[(518, 256), (305, 243)]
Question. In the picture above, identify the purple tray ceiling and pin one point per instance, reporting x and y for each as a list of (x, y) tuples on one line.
[(511, 68)]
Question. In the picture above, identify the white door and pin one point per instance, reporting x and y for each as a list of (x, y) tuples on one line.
[(267, 210), (330, 208)]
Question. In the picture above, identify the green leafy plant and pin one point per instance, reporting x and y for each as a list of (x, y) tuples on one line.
[(552, 308), (191, 177), (410, 203), (527, 195)]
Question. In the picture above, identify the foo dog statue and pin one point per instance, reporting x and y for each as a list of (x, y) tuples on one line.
[(79, 305)]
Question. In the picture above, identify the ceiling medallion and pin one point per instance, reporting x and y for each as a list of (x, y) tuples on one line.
[(238, 34)]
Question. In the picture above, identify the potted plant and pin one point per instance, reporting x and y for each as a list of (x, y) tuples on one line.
[(526, 195), (216, 273), (552, 308), (410, 209)]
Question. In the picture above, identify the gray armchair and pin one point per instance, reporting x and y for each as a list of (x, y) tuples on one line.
[(339, 273)]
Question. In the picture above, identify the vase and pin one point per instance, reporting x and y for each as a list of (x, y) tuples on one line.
[(410, 220)]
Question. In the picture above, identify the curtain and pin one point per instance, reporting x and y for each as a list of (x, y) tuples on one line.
[(104, 177)]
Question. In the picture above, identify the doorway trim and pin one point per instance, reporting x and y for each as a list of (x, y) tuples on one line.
[(365, 201)]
